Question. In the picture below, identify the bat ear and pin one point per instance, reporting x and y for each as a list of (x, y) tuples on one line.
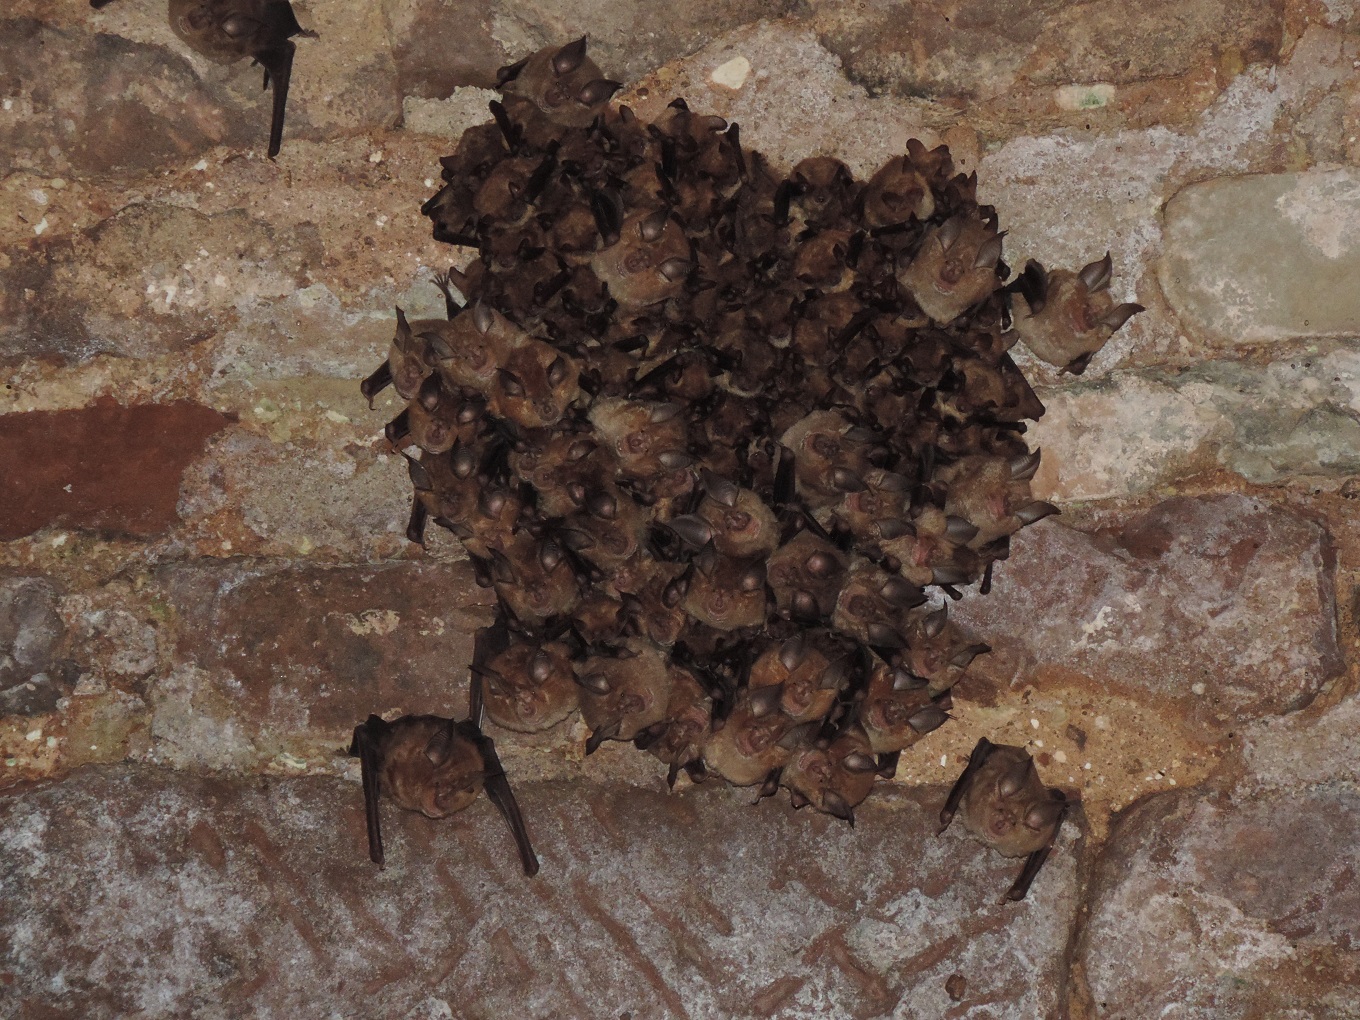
[(990, 252), (792, 652), (1016, 778), (1044, 816), (765, 700), (858, 761), (569, 57), (1096, 275), (838, 806), (965, 656), (927, 720), (510, 72), (441, 744), (934, 623)]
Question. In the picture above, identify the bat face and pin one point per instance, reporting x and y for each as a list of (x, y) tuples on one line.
[(1005, 804), (428, 766), (1066, 317), (560, 85), (833, 776), (955, 268)]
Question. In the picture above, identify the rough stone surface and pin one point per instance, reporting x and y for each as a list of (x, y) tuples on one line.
[(1132, 432), (167, 895), (1210, 611), (979, 48), (1208, 906), (32, 678), (99, 103), (1266, 257), (268, 660), (107, 466), (627, 40)]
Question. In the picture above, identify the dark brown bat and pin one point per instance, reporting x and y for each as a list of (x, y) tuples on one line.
[(226, 31), (435, 766), (1005, 804)]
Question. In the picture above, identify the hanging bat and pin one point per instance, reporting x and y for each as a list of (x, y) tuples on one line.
[(226, 31), (1006, 805), (436, 766)]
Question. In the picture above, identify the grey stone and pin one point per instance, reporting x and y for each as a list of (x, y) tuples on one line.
[(136, 890), (32, 677), (1296, 419), (1265, 257), (1207, 906), (1211, 612)]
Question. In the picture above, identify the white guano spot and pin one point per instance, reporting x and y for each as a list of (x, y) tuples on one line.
[(732, 74)]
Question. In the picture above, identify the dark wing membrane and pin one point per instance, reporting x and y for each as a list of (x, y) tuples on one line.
[(277, 61), (366, 746), (976, 760), (498, 789)]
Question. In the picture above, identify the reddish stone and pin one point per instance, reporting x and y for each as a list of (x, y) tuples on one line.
[(313, 650), (141, 891), (1206, 905), (1213, 611), (105, 466)]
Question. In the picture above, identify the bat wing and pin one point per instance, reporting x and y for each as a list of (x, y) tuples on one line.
[(277, 61), (976, 760), (490, 642), (1035, 861), (498, 789), (366, 747)]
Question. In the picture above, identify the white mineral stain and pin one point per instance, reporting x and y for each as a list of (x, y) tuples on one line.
[(732, 74), (1084, 97), (372, 621)]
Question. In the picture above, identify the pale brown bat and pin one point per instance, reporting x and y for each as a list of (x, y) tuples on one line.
[(1005, 804), (955, 268), (226, 31), (1066, 317), (435, 766)]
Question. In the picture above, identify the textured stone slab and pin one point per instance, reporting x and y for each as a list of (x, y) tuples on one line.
[(1206, 907), (977, 47), (273, 659), (104, 466), (626, 40), (1265, 257), (1209, 611), (158, 894), (31, 676), (1294, 419)]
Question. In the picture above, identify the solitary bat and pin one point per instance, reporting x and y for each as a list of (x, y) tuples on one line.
[(1006, 805), (226, 31), (435, 766)]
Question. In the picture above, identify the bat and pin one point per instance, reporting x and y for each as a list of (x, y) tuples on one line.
[(1005, 804), (226, 31), (436, 766)]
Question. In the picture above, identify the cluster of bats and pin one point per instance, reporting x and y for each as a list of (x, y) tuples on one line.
[(722, 441)]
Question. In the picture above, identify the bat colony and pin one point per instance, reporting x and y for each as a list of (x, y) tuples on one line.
[(712, 434)]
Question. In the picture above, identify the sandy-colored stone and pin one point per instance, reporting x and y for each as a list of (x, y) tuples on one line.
[(648, 904), (1212, 611), (1265, 258), (1208, 906)]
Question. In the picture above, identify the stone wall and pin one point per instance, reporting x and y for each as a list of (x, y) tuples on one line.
[(204, 582)]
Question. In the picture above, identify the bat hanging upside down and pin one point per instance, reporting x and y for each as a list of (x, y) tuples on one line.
[(1006, 805), (226, 31), (435, 766)]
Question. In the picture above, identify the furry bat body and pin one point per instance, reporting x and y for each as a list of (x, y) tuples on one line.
[(226, 31), (435, 766), (1006, 805), (722, 441)]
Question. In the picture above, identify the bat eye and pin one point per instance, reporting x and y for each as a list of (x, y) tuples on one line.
[(236, 26)]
